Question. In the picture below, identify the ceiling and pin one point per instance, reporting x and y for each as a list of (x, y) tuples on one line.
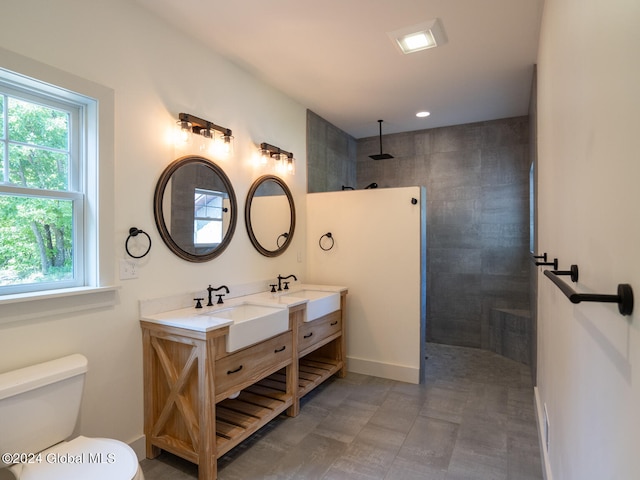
[(336, 58)]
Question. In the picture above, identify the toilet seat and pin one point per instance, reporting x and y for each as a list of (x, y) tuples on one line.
[(83, 458)]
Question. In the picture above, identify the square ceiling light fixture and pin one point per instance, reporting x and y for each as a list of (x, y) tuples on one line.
[(419, 37)]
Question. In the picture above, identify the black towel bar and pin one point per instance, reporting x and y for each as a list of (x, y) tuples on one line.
[(553, 264), (624, 298), (572, 272), (544, 262)]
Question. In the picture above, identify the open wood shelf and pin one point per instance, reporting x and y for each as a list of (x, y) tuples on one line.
[(238, 418), (313, 370)]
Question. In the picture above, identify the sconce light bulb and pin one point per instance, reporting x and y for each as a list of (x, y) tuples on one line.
[(183, 131), (264, 156), (222, 146), (279, 162), (227, 144), (291, 166)]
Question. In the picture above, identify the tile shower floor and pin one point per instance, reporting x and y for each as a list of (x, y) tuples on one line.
[(473, 419)]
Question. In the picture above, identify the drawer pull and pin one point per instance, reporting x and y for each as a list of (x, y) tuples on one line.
[(334, 323), (278, 350), (229, 372), (308, 335)]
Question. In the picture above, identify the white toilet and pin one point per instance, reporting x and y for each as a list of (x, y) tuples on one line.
[(39, 407)]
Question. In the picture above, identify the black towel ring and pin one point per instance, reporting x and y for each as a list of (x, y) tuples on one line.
[(330, 237), (133, 232), (285, 235)]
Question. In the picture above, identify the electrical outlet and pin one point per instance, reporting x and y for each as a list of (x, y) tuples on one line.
[(128, 269)]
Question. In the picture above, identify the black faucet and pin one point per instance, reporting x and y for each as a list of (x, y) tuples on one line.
[(220, 295), (286, 284)]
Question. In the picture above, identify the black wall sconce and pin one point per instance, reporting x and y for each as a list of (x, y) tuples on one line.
[(284, 161), (219, 143)]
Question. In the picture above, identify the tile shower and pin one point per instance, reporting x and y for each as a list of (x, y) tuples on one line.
[(477, 179)]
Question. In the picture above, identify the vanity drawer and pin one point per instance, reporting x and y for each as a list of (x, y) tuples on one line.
[(310, 333), (251, 364)]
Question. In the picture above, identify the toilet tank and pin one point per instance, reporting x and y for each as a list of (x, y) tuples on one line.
[(39, 405)]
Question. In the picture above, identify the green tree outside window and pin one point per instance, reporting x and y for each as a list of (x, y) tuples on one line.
[(36, 228)]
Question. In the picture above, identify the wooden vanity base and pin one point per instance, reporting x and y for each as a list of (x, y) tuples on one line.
[(188, 378)]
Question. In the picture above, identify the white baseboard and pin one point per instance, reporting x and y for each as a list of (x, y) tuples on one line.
[(138, 446), (546, 466), (401, 373)]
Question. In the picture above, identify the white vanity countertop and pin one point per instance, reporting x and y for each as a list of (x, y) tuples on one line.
[(322, 288), (189, 319), (204, 319), (285, 296)]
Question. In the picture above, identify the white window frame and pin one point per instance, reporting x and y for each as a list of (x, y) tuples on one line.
[(97, 114), (75, 105), (209, 193)]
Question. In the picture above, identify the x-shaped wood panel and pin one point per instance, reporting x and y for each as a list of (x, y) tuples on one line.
[(177, 382)]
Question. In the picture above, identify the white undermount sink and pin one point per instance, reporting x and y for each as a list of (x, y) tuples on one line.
[(319, 302), (252, 323)]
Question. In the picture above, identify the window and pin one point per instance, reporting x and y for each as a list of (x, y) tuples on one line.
[(44, 133), (83, 193), (207, 228)]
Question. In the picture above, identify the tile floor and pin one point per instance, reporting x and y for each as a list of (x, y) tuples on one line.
[(472, 420)]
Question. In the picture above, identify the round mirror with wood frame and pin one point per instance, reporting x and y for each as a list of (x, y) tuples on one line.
[(195, 208), (270, 215)]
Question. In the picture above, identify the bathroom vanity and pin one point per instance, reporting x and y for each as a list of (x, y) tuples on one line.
[(205, 391)]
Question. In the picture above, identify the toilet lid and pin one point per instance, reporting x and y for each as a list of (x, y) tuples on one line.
[(84, 458)]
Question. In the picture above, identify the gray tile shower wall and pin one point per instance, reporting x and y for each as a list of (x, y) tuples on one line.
[(331, 156), (477, 179)]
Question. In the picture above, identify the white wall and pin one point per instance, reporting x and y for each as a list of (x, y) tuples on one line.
[(377, 255), (156, 73), (588, 146)]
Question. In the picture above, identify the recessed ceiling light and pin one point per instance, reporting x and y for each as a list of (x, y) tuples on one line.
[(416, 41), (423, 114), (419, 37)]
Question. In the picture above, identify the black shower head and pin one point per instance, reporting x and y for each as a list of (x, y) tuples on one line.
[(381, 156)]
